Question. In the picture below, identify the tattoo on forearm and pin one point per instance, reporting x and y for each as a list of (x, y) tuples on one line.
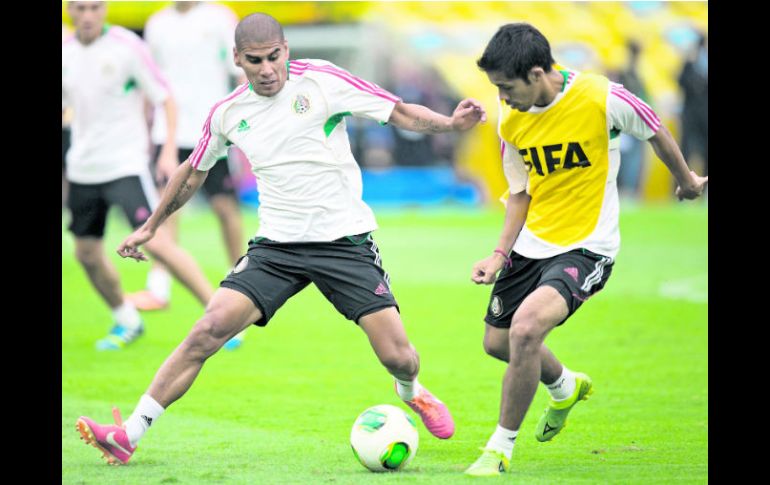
[(179, 198), (420, 124)]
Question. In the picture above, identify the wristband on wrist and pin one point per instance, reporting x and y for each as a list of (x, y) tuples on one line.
[(508, 262)]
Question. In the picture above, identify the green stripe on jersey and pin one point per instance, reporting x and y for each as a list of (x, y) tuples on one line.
[(130, 84), (333, 121)]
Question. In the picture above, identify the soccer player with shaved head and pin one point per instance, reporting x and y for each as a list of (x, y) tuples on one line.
[(559, 132), (289, 120)]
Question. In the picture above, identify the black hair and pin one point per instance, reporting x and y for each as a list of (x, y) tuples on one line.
[(514, 50)]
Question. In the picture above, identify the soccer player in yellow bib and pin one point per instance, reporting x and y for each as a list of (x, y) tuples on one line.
[(559, 132)]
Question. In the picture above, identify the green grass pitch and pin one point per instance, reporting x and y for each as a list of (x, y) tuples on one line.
[(279, 410)]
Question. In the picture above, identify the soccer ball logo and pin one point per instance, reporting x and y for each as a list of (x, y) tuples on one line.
[(384, 438), (301, 104)]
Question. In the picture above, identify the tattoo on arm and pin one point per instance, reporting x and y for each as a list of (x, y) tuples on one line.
[(420, 124), (179, 199)]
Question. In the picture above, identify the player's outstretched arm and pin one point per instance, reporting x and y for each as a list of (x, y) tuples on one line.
[(485, 271), (415, 117), (183, 184), (690, 185)]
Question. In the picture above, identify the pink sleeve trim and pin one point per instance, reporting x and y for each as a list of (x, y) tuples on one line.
[(200, 148), (299, 68), (642, 109)]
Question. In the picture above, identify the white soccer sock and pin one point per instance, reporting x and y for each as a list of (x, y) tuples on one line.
[(502, 440), (407, 389), (126, 315), (145, 413), (563, 387), (159, 283)]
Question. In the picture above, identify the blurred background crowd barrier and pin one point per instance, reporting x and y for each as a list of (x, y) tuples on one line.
[(425, 52)]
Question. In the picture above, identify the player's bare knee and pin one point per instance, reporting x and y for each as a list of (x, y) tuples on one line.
[(158, 247), (400, 361), (225, 207), (88, 257), (207, 336), (525, 334)]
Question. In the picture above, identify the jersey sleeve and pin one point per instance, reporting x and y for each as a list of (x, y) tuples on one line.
[(212, 145), (515, 170), (629, 114), (347, 93), (147, 73)]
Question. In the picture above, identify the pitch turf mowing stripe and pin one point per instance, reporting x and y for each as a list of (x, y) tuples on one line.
[(279, 410)]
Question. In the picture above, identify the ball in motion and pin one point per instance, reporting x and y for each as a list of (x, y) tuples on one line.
[(384, 438)]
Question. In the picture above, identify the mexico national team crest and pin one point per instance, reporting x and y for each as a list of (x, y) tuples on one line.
[(301, 104), (496, 307), (244, 261)]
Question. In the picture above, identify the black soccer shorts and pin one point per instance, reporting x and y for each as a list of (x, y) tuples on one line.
[(89, 203), (348, 271), (219, 181), (576, 275)]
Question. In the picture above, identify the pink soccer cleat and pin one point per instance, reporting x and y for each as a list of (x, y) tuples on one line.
[(146, 301), (434, 413), (110, 439)]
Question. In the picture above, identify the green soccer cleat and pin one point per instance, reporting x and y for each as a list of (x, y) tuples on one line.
[(555, 415), (491, 463)]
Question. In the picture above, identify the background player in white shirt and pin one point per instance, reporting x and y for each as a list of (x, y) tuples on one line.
[(191, 42), (314, 226), (103, 70)]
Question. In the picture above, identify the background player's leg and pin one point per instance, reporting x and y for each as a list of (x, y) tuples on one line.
[(227, 211), (106, 280), (158, 288), (180, 263), (100, 270), (225, 207)]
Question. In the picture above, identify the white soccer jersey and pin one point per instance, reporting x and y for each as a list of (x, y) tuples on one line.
[(194, 50), (309, 183), (101, 82), (623, 112)]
